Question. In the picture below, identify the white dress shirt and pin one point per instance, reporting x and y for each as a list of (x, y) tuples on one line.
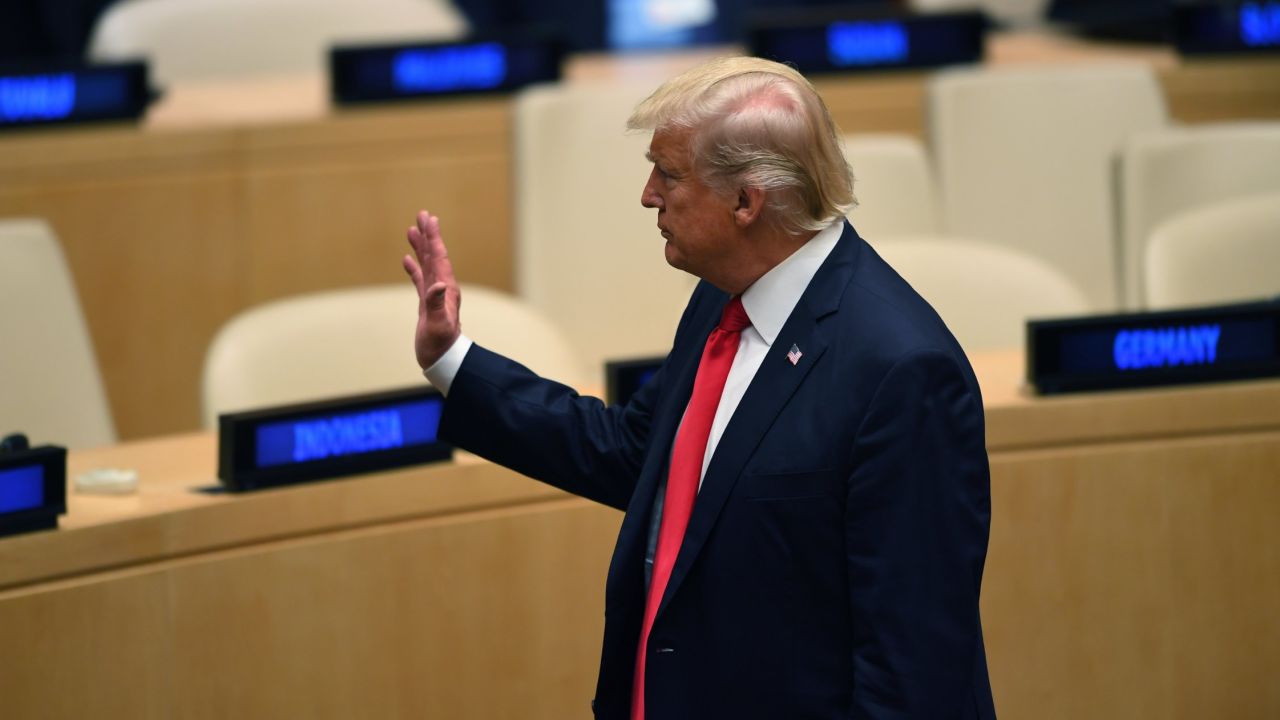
[(768, 302)]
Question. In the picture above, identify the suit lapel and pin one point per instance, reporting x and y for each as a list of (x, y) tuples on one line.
[(683, 366), (774, 383)]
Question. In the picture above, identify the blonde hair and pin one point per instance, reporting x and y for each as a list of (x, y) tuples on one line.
[(760, 124)]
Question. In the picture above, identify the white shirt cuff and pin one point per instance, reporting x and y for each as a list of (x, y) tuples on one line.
[(442, 373)]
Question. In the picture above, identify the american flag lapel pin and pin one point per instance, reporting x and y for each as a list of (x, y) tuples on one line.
[(794, 354)]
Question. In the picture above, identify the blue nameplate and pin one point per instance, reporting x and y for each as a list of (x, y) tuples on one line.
[(869, 42), (622, 378), (331, 438), (1227, 28), (400, 72), (59, 94), (33, 489), (1227, 342)]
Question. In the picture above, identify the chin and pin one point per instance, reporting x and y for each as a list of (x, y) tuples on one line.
[(674, 259)]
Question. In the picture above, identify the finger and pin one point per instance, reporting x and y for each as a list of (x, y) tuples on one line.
[(441, 268), (415, 274), (422, 253)]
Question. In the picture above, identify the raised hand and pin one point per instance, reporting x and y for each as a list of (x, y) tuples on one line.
[(438, 296)]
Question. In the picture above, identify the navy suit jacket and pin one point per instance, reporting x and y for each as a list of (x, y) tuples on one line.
[(833, 559)]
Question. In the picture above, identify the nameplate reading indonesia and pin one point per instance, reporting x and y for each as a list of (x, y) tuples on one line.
[(410, 72), (331, 438), (816, 42), (1226, 342), (33, 95), (33, 489)]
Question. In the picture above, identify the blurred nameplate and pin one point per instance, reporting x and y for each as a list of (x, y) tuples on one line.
[(622, 378), (410, 72), (1173, 347), (1227, 28), (330, 438), (60, 94), (858, 41), (33, 489)]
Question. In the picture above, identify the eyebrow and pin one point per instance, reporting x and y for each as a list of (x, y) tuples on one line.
[(662, 167)]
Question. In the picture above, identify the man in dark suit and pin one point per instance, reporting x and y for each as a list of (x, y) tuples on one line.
[(805, 480)]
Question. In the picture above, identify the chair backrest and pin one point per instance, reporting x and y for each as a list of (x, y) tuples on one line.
[(360, 340), (894, 185), (1005, 11), (984, 292), (1225, 252), (1025, 158), (218, 39), (1170, 171), (587, 253), (52, 390)]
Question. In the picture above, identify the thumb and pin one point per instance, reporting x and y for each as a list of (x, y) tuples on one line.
[(436, 297)]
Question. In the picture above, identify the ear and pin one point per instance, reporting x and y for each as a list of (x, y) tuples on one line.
[(750, 206)]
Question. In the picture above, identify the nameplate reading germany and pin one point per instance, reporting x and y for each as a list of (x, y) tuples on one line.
[(1226, 342)]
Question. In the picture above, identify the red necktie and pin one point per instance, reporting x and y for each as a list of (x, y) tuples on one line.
[(686, 470)]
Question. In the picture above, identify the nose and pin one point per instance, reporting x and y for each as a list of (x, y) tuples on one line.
[(649, 197)]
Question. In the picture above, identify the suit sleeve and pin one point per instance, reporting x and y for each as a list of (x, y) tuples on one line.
[(917, 521), (504, 412)]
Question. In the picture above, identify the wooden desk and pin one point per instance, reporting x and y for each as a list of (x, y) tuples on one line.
[(1133, 572), (450, 591)]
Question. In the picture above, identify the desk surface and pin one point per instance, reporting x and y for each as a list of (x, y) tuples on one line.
[(1131, 573), (174, 513)]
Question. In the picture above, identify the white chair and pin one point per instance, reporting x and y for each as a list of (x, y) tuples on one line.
[(1018, 12), (360, 340), (1025, 159), (1220, 253), (220, 39), (1170, 171), (587, 253), (894, 185), (985, 293), (52, 390)]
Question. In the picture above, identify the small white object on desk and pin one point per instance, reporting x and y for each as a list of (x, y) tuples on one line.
[(107, 481)]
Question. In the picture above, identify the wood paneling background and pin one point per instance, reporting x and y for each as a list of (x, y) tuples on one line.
[(169, 233)]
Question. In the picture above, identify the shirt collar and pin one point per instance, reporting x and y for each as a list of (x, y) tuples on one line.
[(770, 299)]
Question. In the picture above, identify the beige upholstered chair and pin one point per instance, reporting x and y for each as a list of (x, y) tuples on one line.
[(587, 253), (359, 340), (984, 292), (1025, 159), (894, 185), (52, 390), (1225, 252), (219, 39), (1170, 171)]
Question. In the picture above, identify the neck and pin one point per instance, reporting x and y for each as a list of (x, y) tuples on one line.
[(765, 249)]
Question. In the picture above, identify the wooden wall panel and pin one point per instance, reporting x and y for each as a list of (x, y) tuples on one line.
[(314, 228), (490, 615), (100, 649), (170, 232), (157, 268), (1136, 580)]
